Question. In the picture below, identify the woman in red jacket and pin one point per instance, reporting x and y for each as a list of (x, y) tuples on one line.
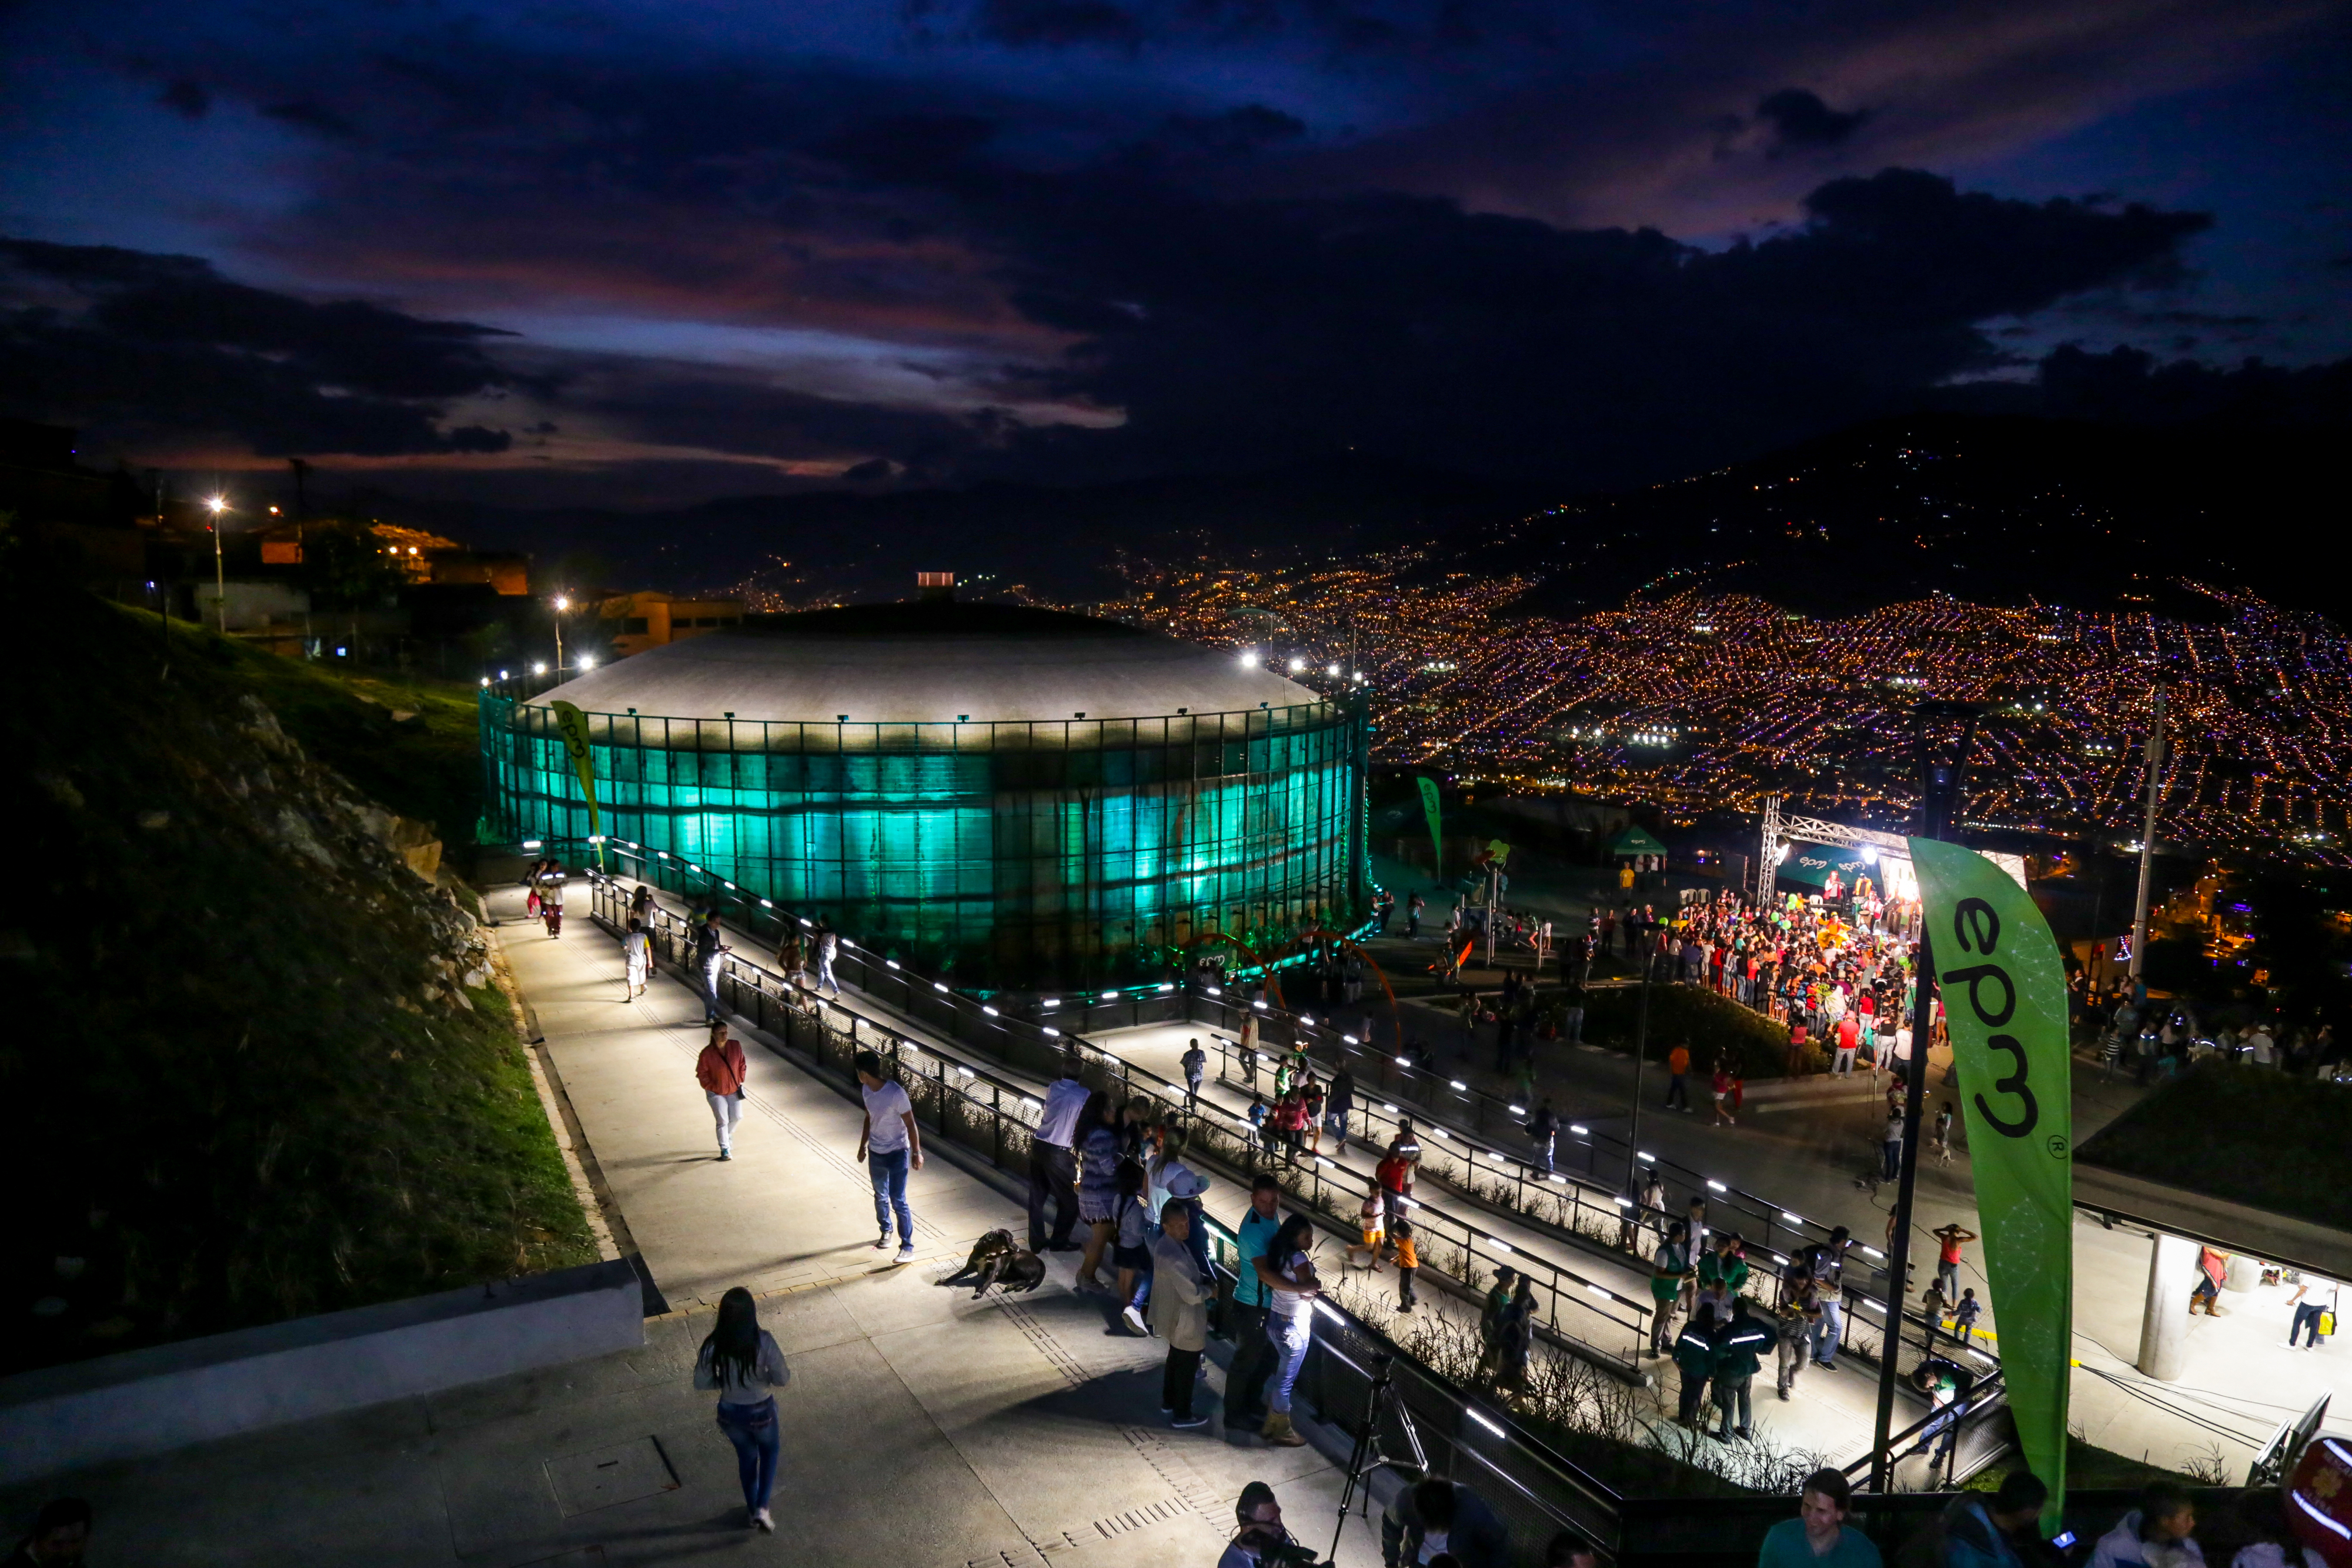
[(720, 1070)]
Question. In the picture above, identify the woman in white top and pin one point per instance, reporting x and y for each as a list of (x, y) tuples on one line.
[(740, 1360), (1291, 1285), (636, 952)]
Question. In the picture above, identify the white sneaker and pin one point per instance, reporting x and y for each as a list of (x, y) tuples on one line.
[(1135, 1320), (907, 1253), (766, 1524)]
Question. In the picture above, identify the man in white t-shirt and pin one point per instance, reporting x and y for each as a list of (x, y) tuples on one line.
[(890, 1144)]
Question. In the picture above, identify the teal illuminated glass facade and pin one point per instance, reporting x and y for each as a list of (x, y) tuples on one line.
[(1039, 853)]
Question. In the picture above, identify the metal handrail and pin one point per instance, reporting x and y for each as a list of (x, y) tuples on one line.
[(1323, 1186), (1477, 1112)]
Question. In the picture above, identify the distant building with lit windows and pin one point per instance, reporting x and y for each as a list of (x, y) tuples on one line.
[(637, 621)]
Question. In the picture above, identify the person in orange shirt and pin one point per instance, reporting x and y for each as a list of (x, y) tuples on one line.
[(1408, 1259), (1678, 1079), (720, 1070)]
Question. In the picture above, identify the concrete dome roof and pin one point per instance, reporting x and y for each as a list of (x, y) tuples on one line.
[(927, 662)]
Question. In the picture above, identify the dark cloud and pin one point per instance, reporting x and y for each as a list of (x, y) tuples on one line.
[(186, 96), (1057, 22), (1800, 118), (1410, 329), (2129, 386), (1251, 128), (317, 118), (699, 407), (139, 345)]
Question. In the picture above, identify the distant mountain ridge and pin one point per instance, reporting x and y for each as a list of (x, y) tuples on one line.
[(1996, 508)]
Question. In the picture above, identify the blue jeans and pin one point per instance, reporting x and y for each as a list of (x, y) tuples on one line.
[(752, 1429), (2306, 1314), (888, 1171), (1826, 1331), (1335, 1124), (1290, 1338)]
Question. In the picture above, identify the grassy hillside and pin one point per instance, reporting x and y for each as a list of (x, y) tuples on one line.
[(2250, 1134), (257, 1072), (407, 742)]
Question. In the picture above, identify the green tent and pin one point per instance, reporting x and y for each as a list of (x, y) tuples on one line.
[(1635, 841)]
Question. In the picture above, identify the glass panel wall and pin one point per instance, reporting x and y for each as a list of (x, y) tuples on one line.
[(1026, 853)]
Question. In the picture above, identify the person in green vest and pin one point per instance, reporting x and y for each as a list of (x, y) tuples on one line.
[(1722, 1273), (1490, 1322), (1740, 1347), (1695, 1358), (1667, 1271), (1819, 1537)]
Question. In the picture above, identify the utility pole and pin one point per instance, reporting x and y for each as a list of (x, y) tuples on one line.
[(2147, 839), (220, 572), (1940, 781), (1493, 870), (1634, 1124), (562, 604)]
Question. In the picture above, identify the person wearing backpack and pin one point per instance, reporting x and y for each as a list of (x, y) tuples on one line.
[(1543, 1132)]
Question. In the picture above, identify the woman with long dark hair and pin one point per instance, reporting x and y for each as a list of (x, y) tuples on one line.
[(1100, 1148), (742, 1361), (1286, 1271)]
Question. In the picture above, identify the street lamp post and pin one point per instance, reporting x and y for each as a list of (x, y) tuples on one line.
[(1939, 779), (2147, 841), (218, 504), (562, 604), (1640, 1060)]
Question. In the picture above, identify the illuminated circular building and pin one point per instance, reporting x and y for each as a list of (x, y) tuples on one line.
[(1040, 797)]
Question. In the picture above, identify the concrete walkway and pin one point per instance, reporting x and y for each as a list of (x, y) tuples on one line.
[(921, 1427)]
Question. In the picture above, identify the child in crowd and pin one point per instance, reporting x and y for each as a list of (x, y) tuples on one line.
[(1367, 1219)]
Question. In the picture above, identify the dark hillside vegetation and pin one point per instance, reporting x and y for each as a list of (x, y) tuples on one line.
[(257, 1068)]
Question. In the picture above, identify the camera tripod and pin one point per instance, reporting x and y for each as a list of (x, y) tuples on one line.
[(1368, 1455)]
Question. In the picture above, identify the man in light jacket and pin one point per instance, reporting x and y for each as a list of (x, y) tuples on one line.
[(1180, 1313)]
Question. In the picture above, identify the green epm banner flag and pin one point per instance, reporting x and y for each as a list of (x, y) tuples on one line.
[(572, 725), (1429, 810), (2004, 992)]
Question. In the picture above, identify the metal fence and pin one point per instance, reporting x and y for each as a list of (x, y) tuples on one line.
[(1595, 1162), (1578, 1312), (1035, 1034)]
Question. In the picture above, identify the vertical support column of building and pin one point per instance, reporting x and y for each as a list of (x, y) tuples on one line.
[(2163, 1326)]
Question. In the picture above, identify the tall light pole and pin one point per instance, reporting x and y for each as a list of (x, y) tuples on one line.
[(2147, 839), (216, 504), (1939, 779), (562, 604)]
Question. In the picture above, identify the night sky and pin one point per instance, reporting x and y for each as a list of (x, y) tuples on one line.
[(656, 253)]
